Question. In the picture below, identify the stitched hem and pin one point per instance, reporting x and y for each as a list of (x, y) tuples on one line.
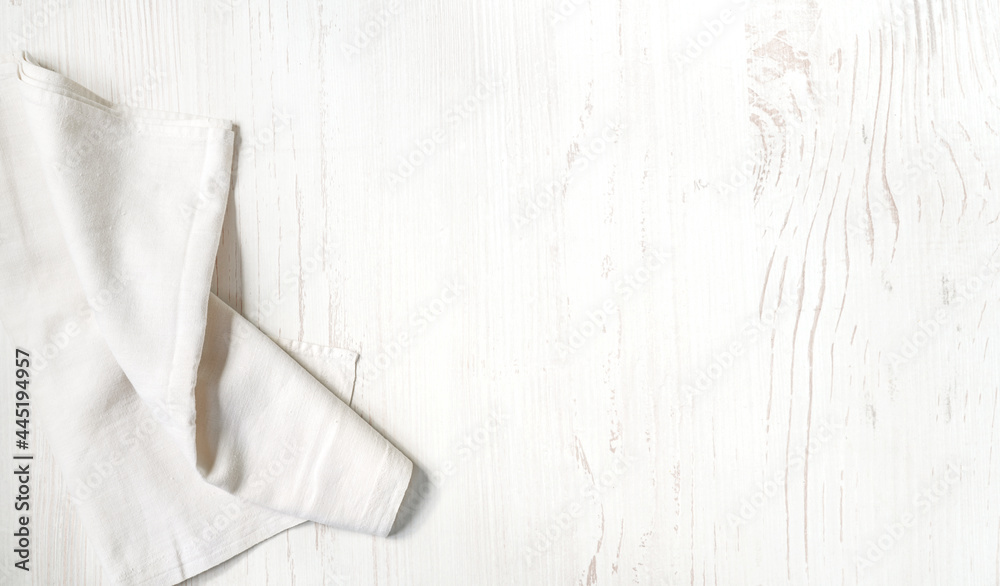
[(171, 572)]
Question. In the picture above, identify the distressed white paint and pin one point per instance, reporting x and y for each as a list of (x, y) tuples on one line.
[(862, 136)]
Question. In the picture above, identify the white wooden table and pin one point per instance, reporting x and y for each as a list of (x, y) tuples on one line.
[(721, 311)]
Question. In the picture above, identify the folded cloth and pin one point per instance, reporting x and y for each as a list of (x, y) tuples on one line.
[(184, 434)]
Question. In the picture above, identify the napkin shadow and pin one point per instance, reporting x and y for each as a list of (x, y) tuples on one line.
[(227, 282), (228, 279)]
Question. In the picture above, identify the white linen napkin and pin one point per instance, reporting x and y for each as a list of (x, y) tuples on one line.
[(184, 433)]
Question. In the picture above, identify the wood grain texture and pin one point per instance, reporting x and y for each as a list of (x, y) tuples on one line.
[(651, 293)]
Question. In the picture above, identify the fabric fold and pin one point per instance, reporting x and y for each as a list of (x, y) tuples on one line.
[(129, 219), (184, 433)]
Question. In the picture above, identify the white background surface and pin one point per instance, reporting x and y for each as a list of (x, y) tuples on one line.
[(835, 161)]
